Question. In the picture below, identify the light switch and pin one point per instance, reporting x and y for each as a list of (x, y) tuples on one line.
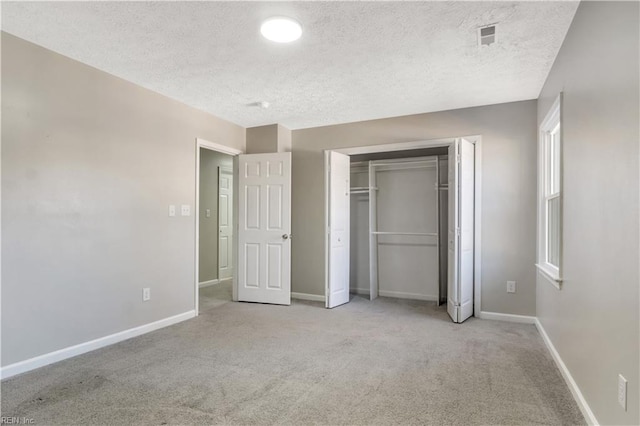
[(186, 210), (208, 212), (172, 210)]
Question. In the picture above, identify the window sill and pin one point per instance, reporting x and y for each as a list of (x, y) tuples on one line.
[(550, 275)]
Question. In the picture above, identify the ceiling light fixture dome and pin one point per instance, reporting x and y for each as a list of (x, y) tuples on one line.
[(281, 29)]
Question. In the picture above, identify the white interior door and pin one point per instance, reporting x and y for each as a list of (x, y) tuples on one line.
[(225, 225), (338, 181), (264, 228), (461, 230)]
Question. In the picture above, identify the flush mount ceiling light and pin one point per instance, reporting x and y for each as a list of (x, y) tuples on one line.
[(281, 29)]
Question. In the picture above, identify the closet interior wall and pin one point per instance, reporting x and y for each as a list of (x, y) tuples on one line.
[(410, 225), (443, 225), (359, 242)]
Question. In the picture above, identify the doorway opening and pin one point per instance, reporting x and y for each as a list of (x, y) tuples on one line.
[(215, 216), (401, 223)]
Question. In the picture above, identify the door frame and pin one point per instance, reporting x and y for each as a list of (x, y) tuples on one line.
[(421, 144), (203, 143)]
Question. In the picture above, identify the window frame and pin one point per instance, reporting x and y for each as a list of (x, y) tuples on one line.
[(550, 188)]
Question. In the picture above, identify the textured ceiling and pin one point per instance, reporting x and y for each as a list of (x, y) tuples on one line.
[(355, 60)]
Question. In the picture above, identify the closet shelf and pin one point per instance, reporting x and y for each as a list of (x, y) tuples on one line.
[(424, 234)]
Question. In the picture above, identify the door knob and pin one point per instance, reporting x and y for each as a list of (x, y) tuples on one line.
[(285, 237)]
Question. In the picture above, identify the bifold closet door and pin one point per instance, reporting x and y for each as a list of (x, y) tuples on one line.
[(461, 230), (338, 171)]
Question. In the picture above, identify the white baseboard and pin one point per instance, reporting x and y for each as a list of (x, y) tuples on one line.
[(396, 294), (307, 296), (71, 351), (403, 295), (523, 319), (208, 283), (573, 386)]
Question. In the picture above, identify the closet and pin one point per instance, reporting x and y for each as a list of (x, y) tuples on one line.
[(397, 246), (401, 224)]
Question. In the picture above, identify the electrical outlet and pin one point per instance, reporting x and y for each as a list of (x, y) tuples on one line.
[(146, 294), (208, 212), (185, 210), (511, 286), (172, 210), (622, 392)]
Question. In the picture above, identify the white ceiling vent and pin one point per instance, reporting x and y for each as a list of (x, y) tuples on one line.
[(486, 35)]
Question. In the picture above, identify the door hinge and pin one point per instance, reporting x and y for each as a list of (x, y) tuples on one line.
[(457, 232), (458, 158)]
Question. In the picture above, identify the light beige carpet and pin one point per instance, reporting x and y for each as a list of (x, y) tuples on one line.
[(383, 362)]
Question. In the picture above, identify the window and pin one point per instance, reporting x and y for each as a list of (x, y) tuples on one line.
[(550, 195)]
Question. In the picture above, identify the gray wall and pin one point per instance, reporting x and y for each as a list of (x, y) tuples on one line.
[(508, 192), (90, 164), (284, 139), (269, 138), (208, 229), (593, 321), (262, 139)]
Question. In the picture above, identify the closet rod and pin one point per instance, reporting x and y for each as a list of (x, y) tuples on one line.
[(388, 167), (362, 188), (419, 163), (424, 234)]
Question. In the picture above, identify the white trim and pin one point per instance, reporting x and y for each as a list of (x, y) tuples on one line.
[(554, 113), (209, 283), (573, 386), (62, 354), (497, 316), (307, 296), (551, 273), (403, 146), (404, 295), (203, 143), (477, 227), (392, 147)]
